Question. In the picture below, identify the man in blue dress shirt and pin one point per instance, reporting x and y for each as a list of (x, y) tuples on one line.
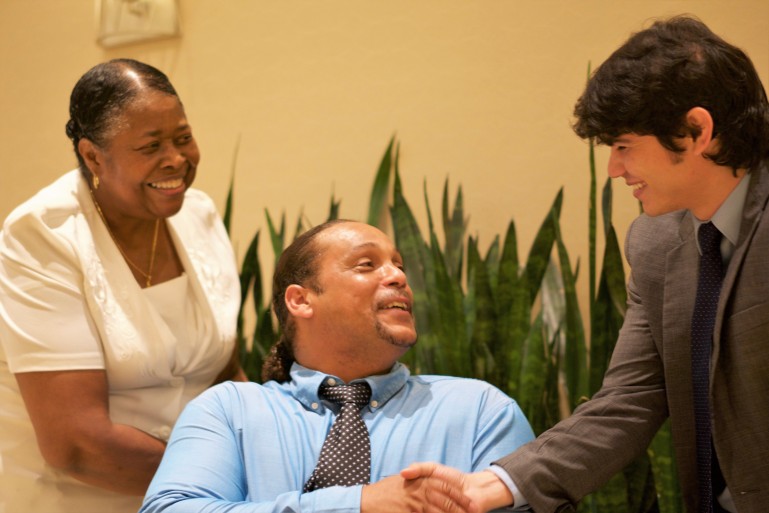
[(345, 310)]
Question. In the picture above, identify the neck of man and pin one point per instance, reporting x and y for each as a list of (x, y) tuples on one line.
[(718, 183)]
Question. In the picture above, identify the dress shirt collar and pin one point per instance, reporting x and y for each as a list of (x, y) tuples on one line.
[(728, 218), (305, 383)]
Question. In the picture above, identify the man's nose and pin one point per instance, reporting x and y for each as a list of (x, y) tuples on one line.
[(616, 167), (395, 275)]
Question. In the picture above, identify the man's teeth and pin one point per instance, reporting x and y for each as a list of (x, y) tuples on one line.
[(168, 184), (639, 186), (397, 304)]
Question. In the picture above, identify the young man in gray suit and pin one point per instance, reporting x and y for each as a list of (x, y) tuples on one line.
[(687, 121)]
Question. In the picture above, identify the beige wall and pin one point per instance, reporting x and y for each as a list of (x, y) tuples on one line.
[(480, 92)]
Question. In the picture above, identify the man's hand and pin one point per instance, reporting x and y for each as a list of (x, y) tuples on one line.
[(417, 495), (484, 489)]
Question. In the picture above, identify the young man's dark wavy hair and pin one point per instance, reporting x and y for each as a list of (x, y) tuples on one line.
[(648, 85)]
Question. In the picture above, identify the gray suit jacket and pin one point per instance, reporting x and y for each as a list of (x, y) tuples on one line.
[(650, 373)]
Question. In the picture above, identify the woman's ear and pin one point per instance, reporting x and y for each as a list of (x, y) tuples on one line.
[(90, 154), (298, 301), (700, 125)]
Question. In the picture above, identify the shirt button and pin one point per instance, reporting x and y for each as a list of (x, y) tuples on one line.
[(314, 406), (331, 382), (162, 432), (374, 404)]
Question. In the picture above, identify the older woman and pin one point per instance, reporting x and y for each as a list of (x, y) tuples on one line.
[(118, 302)]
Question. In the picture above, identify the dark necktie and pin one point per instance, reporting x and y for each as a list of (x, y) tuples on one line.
[(345, 458), (703, 323)]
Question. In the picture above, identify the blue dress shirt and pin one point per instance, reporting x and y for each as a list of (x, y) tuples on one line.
[(245, 447)]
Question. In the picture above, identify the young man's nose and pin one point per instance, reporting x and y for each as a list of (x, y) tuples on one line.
[(616, 167)]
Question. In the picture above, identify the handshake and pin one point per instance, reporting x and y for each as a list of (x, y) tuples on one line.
[(431, 487)]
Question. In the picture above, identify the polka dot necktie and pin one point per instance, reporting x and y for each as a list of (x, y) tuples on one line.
[(345, 458), (703, 323)]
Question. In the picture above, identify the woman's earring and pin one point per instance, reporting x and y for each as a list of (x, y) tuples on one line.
[(95, 182)]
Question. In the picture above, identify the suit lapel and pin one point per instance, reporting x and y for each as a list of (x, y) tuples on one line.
[(755, 203), (681, 268)]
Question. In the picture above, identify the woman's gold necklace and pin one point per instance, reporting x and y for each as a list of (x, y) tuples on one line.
[(148, 274)]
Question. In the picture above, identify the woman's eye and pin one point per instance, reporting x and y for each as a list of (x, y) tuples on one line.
[(149, 148)]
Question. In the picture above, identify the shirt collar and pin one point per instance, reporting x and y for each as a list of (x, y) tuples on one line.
[(728, 217), (305, 383)]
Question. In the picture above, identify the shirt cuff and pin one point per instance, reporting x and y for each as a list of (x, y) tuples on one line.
[(519, 501)]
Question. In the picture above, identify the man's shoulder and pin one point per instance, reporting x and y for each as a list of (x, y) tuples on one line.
[(457, 397), (443, 379), (452, 385), (660, 227), (241, 392), (654, 235)]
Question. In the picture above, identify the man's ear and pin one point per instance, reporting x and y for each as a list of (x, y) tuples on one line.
[(91, 155), (298, 301), (700, 125)]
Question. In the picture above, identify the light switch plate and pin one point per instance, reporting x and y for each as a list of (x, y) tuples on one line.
[(129, 21)]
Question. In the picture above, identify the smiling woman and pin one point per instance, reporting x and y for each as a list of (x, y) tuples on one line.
[(118, 301)]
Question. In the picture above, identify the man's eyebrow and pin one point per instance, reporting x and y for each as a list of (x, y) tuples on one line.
[(365, 245)]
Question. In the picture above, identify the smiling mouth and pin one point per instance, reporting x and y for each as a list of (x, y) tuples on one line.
[(638, 186), (174, 183), (397, 305)]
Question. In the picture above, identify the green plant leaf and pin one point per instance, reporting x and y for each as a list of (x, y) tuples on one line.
[(484, 337), (539, 254), (447, 315), (662, 455), (228, 204), (299, 228), (333, 209), (249, 274), (378, 201), (415, 255), (454, 229), (532, 392), (277, 237), (575, 367), (613, 267), (592, 221)]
